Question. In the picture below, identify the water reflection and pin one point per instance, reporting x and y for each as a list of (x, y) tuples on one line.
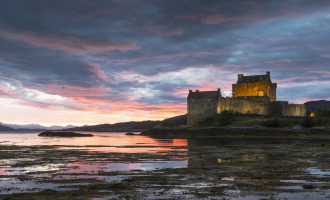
[(254, 158), (107, 154), (99, 139)]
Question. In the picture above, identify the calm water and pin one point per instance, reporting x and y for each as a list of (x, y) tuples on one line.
[(116, 142), (143, 153), (100, 139)]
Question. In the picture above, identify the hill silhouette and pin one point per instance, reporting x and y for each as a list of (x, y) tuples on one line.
[(131, 126), (312, 106), (5, 128)]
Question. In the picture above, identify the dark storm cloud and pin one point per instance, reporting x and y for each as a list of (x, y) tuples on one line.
[(129, 50), (44, 65)]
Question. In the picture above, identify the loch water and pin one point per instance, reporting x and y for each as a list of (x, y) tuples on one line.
[(95, 157)]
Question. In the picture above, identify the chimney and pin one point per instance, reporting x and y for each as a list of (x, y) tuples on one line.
[(268, 74), (190, 91), (219, 92), (239, 76)]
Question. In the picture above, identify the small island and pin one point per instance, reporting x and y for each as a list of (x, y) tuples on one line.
[(63, 134)]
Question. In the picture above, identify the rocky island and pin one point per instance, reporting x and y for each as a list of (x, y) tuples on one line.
[(63, 134)]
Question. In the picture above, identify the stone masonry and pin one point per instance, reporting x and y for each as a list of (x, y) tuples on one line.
[(251, 95)]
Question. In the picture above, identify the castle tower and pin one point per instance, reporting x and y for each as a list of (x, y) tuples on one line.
[(201, 105), (255, 85)]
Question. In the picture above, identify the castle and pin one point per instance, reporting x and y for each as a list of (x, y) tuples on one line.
[(251, 95)]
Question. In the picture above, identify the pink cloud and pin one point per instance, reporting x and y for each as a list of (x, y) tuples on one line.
[(162, 30), (214, 19), (275, 39), (40, 106), (292, 46), (96, 69)]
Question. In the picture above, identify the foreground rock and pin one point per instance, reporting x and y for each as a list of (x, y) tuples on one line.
[(63, 134)]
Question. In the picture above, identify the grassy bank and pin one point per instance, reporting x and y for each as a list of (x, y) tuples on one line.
[(235, 119)]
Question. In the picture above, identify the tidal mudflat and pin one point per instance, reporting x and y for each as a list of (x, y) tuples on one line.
[(118, 166)]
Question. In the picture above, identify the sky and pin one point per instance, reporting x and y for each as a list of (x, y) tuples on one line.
[(106, 61)]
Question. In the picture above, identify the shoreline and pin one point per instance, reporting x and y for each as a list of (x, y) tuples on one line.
[(237, 132)]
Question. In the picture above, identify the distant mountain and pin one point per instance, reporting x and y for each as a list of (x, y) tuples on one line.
[(5, 128), (123, 126), (178, 120), (131, 126), (312, 106), (35, 127)]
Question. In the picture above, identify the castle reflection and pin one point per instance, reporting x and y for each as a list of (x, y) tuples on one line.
[(206, 152)]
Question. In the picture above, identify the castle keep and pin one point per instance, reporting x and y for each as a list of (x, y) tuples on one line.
[(251, 95)]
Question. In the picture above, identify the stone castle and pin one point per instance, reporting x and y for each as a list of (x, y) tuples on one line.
[(251, 95)]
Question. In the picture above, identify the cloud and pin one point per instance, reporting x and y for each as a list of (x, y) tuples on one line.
[(71, 42), (138, 59)]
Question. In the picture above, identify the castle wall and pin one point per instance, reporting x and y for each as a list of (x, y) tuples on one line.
[(249, 105), (275, 108), (201, 108), (294, 110)]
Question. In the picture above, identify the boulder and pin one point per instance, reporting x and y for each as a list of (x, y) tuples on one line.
[(297, 127)]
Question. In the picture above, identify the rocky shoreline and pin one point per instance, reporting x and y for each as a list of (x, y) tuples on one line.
[(237, 131)]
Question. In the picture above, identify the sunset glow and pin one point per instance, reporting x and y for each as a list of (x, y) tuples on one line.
[(101, 62)]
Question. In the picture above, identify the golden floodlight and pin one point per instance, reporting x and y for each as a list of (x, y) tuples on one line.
[(312, 115)]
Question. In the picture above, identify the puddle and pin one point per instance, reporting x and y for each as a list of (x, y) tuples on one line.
[(152, 165), (293, 181), (292, 187), (319, 172)]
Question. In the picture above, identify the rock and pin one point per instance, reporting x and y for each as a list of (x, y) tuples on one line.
[(297, 127), (238, 128), (63, 134), (258, 127), (318, 128)]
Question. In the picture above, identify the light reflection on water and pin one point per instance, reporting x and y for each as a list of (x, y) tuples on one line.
[(151, 165), (99, 139), (112, 142), (120, 143)]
